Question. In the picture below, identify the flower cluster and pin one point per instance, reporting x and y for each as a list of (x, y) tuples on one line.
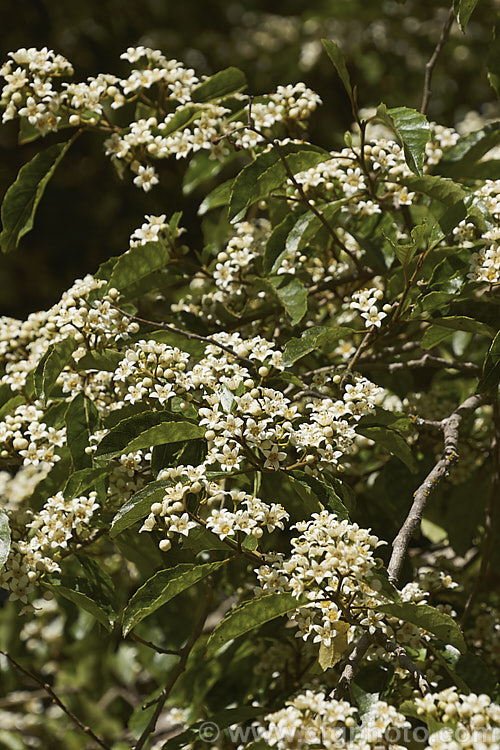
[(474, 720), (312, 719), (59, 522), (25, 434), (366, 302), (331, 562)]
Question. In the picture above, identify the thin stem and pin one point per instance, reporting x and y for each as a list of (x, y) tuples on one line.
[(450, 426), (429, 67), (179, 669), (52, 695)]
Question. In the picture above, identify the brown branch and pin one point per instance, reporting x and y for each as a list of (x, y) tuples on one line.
[(350, 667), (429, 67), (450, 426), (50, 692), (158, 649), (426, 360), (404, 660), (186, 334), (179, 669)]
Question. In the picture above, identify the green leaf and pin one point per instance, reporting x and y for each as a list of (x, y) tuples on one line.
[(161, 588), (337, 58), (220, 85), (86, 594), (138, 506), (180, 120), (404, 252), (442, 328), (216, 198), (84, 479), (267, 172), (276, 242), (308, 225), (10, 405), (390, 440), (387, 589), (142, 431), (82, 419), (312, 339), (137, 263), (463, 10), (322, 492), (493, 61), (51, 364), (100, 359), (459, 159), (4, 538), (22, 198), (293, 297), (202, 168), (441, 189), (428, 618), (491, 367), (412, 129), (251, 615)]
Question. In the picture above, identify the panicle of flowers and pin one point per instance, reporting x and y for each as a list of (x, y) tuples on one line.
[(474, 720), (246, 514), (59, 522), (24, 434), (331, 563), (312, 719), (485, 263)]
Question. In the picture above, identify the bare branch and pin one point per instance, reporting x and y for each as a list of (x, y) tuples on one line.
[(404, 660), (450, 426), (50, 692), (426, 360), (429, 67)]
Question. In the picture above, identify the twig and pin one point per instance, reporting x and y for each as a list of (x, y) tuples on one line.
[(405, 661), (179, 669), (50, 692), (450, 426), (186, 334), (355, 356), (350, 667), (426, 360), (429, 67), (158, 649)]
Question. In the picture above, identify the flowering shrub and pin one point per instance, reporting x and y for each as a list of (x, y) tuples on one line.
[(261, 428)]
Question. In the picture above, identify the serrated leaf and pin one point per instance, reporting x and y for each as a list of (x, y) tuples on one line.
[(293, 297), (84, 594), (50, 366), (82, 419), (390, 440), (251, 615), (220, 85), (137, 263), (143, 431), (491, 367), (138, 506), (161, 588), (441, 189), (322, 492), (100, 359), (337, 58), (267, 172), (463, 10), (311, 340), (428, 618), (4, 538), (412, 129), (82, 480), (22, 198), (442, 328)]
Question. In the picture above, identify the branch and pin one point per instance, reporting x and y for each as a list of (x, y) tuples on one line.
[(350, 667), (405, 661), (429, 67), (179, 669), (186, 334), (50, 692), (450, 426), (426, 360)]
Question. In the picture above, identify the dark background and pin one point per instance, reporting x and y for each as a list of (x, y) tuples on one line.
[(87, 213)]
